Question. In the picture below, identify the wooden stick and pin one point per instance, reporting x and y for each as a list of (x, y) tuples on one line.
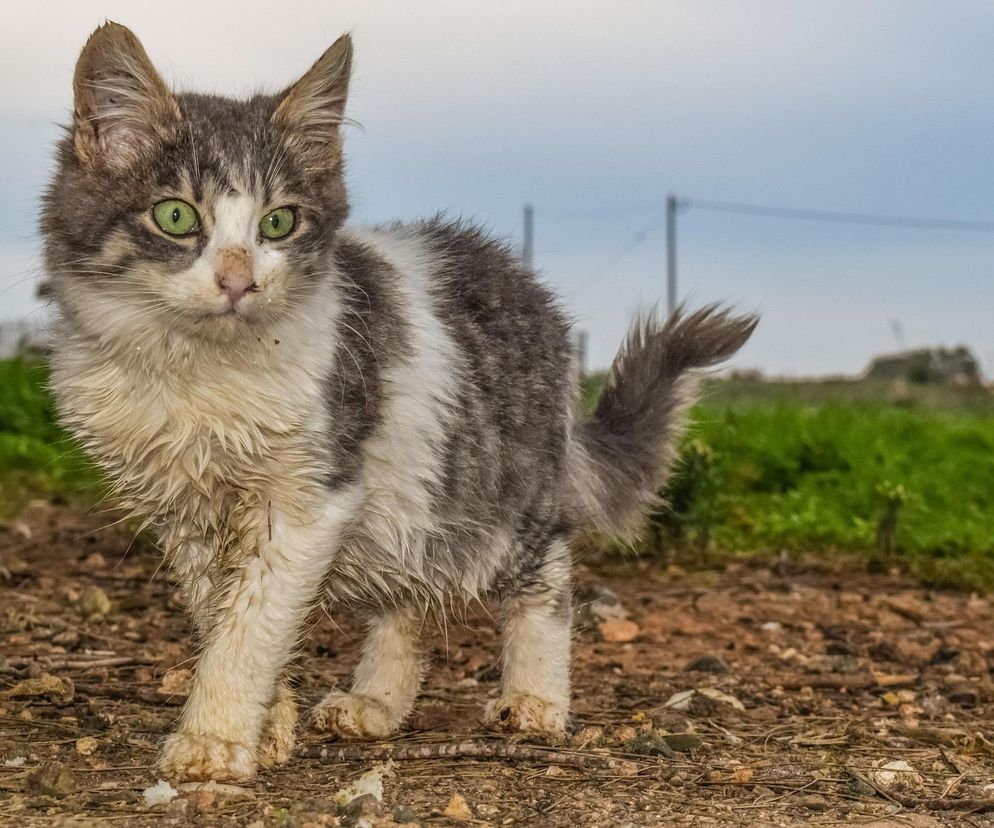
[(976, 806), (331, 754)]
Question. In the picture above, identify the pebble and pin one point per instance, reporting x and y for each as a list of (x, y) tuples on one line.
[(404, 814), (813, 802), (55, 689), (93, 603), (458, 808), (618, 630), (52, 779), (86, 746), (707, 664)]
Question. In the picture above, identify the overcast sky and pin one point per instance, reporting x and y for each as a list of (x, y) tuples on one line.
[(594, 111)]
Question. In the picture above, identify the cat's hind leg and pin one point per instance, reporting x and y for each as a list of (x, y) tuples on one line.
[(536, 628), (384, 685)]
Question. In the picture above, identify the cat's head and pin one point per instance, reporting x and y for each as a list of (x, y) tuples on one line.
[(194, 213)]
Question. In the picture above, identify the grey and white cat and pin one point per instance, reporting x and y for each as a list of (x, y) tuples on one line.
[(383, 418)]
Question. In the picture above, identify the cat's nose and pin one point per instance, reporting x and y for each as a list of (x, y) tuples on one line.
[(233, 273)]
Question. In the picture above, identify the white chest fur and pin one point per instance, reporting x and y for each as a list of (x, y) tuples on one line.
[(203, 435)]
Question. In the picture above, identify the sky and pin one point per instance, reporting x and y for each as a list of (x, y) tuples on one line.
[(594, 112)]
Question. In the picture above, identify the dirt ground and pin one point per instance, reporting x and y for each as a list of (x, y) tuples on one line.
[(801, 687)]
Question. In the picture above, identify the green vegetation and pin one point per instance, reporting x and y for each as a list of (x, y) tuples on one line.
[(898, 475), (901, 476), (36, 457)]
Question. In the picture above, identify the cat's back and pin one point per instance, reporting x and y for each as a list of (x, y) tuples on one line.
[(505, 324)]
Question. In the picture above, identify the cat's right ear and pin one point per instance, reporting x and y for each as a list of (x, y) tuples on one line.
[(122, 107), (313, 108)]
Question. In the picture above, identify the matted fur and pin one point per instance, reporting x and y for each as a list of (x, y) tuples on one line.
[(386, 418)]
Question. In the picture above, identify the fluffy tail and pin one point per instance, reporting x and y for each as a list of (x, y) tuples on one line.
[(625, 449)]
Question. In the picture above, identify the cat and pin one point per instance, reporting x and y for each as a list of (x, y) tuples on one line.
[(386, 419)]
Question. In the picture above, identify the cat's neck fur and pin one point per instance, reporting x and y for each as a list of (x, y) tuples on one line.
[(199, 415)]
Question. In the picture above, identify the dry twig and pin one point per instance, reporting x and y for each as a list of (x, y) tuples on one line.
[(975, 806), (328, 754)]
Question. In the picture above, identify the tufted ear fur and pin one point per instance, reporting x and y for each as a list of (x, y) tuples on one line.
[(122, 107), (313, 108)]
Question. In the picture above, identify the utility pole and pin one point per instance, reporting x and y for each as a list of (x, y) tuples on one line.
[(528, 247), (582, 340), (671, 208)]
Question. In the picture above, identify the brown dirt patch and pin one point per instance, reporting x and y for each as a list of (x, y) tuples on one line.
[(821, 679)]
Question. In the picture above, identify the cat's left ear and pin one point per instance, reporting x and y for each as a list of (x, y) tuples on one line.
[(313, 108), (122, 108)]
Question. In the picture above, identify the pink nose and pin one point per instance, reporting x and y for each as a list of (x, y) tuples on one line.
[(234, 273)]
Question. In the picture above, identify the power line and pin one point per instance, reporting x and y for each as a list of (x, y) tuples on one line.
[(806, 214), (617, 257)]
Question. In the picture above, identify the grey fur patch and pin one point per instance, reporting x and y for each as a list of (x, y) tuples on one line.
[(372, 336)]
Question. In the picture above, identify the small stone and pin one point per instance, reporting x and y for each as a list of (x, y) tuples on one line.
[(707, 664), (458, 808), (624, 733), (94, 561), (404, 814), (55, 689), (897, 775), (93, 603), (589, 736), (66, 638), (743, 775), (813, 802), (52, 779), (618, 630), (598, 604), (177, 683), (86, 746), (366, 805), (161, 793)]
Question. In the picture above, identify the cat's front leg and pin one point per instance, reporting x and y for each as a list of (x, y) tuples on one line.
[(196, 572), (255, 617)]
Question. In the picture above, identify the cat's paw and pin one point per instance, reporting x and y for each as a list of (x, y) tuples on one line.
[(198, 758), (277, 742), (522, 713), (351, 716)]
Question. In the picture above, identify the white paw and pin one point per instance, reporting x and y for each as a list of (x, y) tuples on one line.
[(278, 739), (199, 758), (353, 717), (521, 712)]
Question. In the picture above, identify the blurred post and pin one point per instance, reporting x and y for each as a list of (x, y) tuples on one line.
[(528, 248), (671, 206), (581, 353)]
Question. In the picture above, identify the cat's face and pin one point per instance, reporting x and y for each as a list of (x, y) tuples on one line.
[(196, 214)]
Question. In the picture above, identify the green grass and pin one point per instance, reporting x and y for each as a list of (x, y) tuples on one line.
[(899, 476), (36, 457)]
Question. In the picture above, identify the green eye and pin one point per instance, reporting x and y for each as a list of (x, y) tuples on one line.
[(278, 223), (175, 217)]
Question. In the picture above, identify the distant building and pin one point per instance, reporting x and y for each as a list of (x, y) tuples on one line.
[(941, 366)]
